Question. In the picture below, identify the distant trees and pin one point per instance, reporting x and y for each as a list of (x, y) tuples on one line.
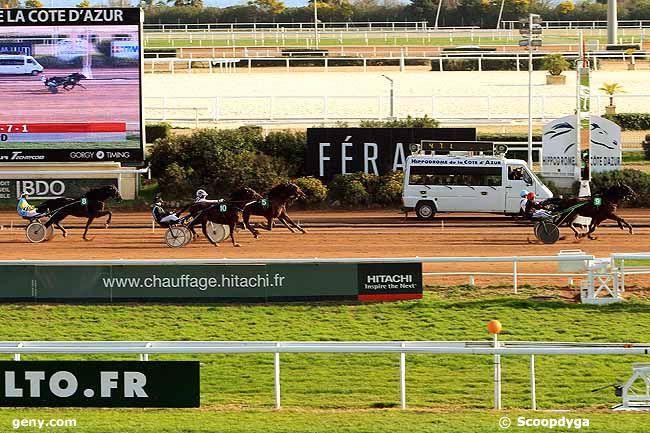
[(482, 13), (33, 4)]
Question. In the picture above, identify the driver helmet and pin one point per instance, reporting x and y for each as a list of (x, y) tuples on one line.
[(531, 196), (157, 199), (24, 195), (201, 194), (523, 193)]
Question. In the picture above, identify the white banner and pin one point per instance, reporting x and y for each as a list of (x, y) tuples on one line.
[(125, 49)]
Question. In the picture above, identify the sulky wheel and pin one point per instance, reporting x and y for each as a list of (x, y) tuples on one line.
[(548, 233), (216, 232), (36, 232), (176, 237)]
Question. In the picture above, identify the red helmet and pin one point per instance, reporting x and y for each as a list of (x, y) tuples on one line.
[(531, 196)]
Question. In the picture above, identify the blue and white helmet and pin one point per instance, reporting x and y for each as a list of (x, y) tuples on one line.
[(200, 194), (523, 193)]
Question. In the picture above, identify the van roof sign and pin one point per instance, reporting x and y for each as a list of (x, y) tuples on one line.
[(456, 161), (445, 145)]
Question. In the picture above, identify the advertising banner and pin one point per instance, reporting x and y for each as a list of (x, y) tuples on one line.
[(332, 151), (210, 283), (74, 93), (45, 189), (390, 281), (99, 384)]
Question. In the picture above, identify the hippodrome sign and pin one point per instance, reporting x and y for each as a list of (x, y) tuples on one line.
[(559, 146), (332, 151), (65, 122)]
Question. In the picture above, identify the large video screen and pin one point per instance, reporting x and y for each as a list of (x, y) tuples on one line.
[(70, 85)]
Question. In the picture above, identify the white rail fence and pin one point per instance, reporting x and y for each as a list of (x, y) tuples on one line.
[(386, 36), (496, 348), (280, 26), (581, 24), (214, 109)]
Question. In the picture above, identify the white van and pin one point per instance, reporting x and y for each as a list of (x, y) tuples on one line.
[(442, 183), (19, 65)]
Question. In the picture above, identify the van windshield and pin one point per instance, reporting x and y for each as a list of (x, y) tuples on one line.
[(451, 175)]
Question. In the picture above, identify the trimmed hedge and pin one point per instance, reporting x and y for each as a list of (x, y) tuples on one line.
[(408, 122), (157, 131), (217, 160), (635, 179), (315, 191), (363, 189), (631, 121)]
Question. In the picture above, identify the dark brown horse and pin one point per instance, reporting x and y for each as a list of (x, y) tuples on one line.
[(90, 205), (599, 207), (274, 205), (228, 213)]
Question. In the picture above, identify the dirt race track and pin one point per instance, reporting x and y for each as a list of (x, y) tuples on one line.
[(341, 234)]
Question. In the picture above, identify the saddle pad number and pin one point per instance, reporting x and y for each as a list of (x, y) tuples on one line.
[(598, 201), (223, 208), (265, 202), (84, 201)]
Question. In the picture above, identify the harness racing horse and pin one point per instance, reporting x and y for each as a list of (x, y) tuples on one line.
[(228, 213), (599, 207), (90, 205), (275, 206)]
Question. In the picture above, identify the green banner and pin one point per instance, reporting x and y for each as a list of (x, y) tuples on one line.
[(99, 384), (208, 282)]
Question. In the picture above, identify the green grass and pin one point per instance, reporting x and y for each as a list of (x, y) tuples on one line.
[(291, 421), (339, 392)]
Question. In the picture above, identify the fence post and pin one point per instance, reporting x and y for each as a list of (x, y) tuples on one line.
[(402, 377), (497, 375), (533, 389), (622, 268), (514, 274), (277, 378), (17, 355)]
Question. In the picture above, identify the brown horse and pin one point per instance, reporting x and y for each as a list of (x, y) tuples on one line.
[(599, 207), (275, 205), (90, 205), (228, 213)]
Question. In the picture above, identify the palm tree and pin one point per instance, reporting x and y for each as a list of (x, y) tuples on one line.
[(611, 89)]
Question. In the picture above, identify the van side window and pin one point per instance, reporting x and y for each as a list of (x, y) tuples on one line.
[(515, 172), (459, 176), (30, 61), (12, 62)]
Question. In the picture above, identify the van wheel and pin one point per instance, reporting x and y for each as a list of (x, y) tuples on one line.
[(35, 73), (425, 211)]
